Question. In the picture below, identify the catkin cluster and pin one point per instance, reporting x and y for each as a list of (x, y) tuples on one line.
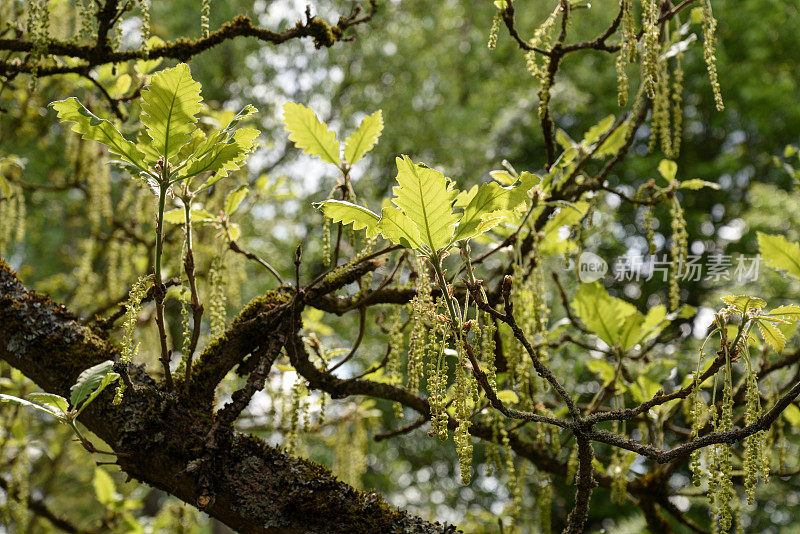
[(678, 251), (217, 296), (132, 309), (422, 314), (12, 218)]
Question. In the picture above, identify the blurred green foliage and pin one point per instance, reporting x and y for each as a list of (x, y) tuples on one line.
[(446, 100)]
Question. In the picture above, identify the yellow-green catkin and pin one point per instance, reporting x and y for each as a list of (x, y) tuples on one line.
[(184, 296), (132, 308), (85, 276), (542, 39), (421, 316), (677, 107), (620, 466), (696, 414), (326, 242), (19, 470), (710, 51), (627, 52), (573, 463), (645, 193), (116, 41), (8, 218), (113, 252), (217, 298), (205, 13), (503, 446), (464, 392), (98, 181), (144, 7), (396, 339), (8, 12), (651, 47), (756, 457), (544, 502), (720, 465), (516, 474), (350, 451), (488, 347), (678, 251), (299, 393), (437, 371), (660, 124), (38, 29), (495, 30), (541, 310), (12, 218), (88, 20), (527, 310)]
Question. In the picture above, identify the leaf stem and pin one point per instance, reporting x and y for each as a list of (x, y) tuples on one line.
[(159, 291), (197, 306), (436, 261)]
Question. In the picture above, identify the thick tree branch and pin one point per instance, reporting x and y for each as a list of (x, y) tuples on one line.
[(253, 487)]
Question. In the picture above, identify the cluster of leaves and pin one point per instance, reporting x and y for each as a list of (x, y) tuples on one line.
[(423, 215), (170, 104), (90, 383)]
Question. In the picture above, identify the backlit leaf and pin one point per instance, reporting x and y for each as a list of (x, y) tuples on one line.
[(52, 400), (28, 404), (695, 184), (601, 313), (225, 156), (740, 302), (103, 487), (364, 138), (779, 253), (170, 104), (507, 396), (772, 335), (426, 198), (668, 169), (309, 134), (395, 226), (235, 199), (348, 213), (790, 312), (89, 380), (96, 129)]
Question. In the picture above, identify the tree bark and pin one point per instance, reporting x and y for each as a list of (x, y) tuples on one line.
[(174, 443)]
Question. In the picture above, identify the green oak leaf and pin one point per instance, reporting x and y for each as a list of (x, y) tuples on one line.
[(789, 313), (28, 404), (309, 134), (491, 204), (170, 104), (224, 157), (49, 399), (197, 215), (601, 313), (364, 138), (235, 199), (772, 335), (779, 253), (91, 381), (398, 228), (348, 213), (426, 198), (740, 302), (96, 129)]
